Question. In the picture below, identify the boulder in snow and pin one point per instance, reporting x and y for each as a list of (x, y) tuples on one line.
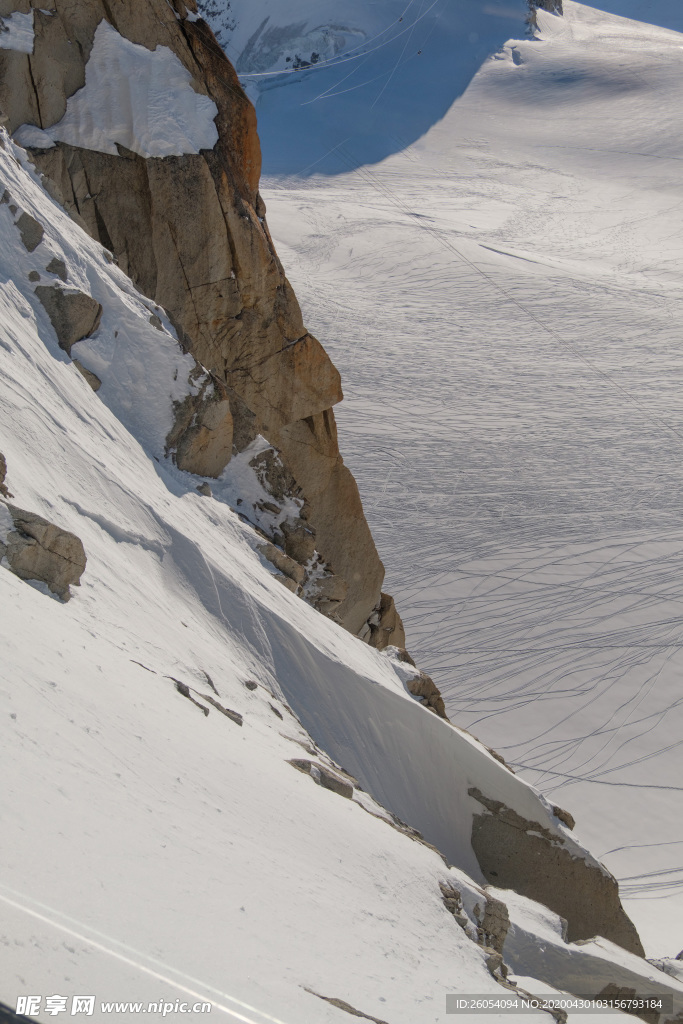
[(514, 853), (424, 687), (58, 267), (39, 550), (493, 924), (92, 378), (322, 776), (201, 438), (31, 231), (74, 315)]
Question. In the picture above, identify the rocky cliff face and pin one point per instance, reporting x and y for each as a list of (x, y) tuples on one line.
[(189, 228), (552, 6), (172, 194)]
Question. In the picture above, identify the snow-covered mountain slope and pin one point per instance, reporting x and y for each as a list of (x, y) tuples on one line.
[(324, 72), (503, 300), (165, 839)]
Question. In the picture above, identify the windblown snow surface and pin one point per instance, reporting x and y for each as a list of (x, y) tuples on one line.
[(158, 848), (503, 298)]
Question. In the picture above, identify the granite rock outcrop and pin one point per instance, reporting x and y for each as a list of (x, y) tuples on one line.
[(36, 549), (190, 230), (514, 853)]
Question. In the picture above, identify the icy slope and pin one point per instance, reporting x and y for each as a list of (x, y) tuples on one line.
[(158, 845), (503, 301)]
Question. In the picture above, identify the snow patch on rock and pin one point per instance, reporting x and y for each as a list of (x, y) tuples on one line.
[(16, 33), (140, 99)]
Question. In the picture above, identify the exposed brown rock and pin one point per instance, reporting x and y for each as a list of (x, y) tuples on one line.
[(191, 233), (287, 582), (328, 592), (322, 776), (185, 691), (273, 474), (452, 900), (612, 991), (201, 438), (92, 378), (386, 627), (74, 315), (299, 540), (564, 816), (514, 853), (423, 686), (58, 267), (493, 924), (31, 231), (287, 566), (3, 474), (405, 657), (40, 550), (341, 1004), (335, 512), (234, 716)]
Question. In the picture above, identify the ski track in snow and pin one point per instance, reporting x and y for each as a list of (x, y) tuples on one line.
[(503, 301)]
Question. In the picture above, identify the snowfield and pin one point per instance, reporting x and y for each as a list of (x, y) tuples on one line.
[(503, 300), (159, 843)]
